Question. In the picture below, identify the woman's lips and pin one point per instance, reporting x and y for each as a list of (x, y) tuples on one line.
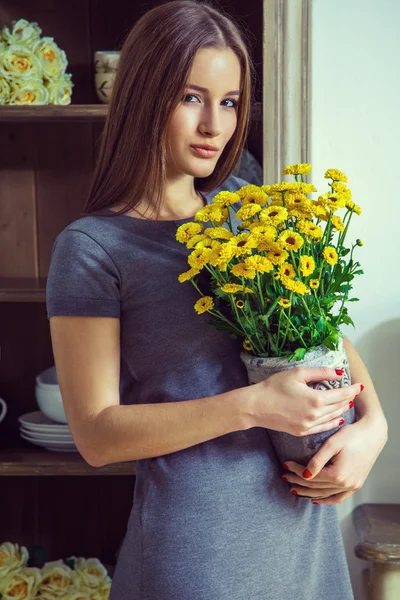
[(203, 152)]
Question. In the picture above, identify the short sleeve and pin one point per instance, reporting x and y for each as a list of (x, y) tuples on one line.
[(83, 280)]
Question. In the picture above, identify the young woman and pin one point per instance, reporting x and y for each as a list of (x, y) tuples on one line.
[(144, 378)]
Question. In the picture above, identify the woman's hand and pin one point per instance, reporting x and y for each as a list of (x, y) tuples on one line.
[(352, 451)]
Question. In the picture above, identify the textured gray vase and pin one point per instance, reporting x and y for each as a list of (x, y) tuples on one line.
[(287, 446)]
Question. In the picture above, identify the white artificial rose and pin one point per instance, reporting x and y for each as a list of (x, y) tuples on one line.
[(4, 91), (57, 578), (91, 572), (17, 62), (22, 33), (20, 585), (103, 592), (3, 45), (52, 59), (12, 558), (60, 90), (28, 92)]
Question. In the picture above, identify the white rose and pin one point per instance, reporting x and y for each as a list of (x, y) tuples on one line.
[(52, 59), (12, 558), (17, 62), (28, 92), (91, 572), (22, 33), (21, 585), (56, 578), (103, 592), (4, 91), (60, 90)]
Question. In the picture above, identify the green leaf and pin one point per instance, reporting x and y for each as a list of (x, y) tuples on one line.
[(320, 324), (344, 251), (359, 272), (298, 354), (353, 300)]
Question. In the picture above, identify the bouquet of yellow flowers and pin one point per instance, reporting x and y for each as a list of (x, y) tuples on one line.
[(276, 278), (32, 68)]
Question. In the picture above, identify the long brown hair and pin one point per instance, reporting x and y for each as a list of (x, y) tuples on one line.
[(154, 67)]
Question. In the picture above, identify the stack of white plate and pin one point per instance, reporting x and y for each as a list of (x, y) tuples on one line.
[(40, 430)]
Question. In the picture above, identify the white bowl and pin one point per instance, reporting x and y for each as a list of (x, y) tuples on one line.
[(50, 403), (48, 378)]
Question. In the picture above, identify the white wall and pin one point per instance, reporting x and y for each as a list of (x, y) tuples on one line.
[(355, 127)]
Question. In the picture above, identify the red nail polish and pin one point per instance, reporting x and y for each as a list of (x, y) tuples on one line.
[(307, 474), (285, 478), (314, 502), (341, 422), (362, 387), (286, 467), (351, 404), (339, 371), (294, 492)]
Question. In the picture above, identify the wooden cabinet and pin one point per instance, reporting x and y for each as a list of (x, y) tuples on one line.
[(47, 155)]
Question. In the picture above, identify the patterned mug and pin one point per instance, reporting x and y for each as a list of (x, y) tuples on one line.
[(3, 409)]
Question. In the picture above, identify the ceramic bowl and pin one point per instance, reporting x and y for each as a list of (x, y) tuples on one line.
[(47, 378), (106, 61), (49, 401), (104, 83)]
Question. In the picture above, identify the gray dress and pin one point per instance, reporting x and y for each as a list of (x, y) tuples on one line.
[(214, 521)]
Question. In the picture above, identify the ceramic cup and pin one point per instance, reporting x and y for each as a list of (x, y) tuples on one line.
[(106, 61), (3, 409), (104, 83)]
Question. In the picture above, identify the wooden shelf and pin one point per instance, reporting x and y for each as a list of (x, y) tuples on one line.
[(22, 290), (20, 458), (52, 113)]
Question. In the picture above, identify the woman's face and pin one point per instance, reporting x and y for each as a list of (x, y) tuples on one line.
[(204, 117)]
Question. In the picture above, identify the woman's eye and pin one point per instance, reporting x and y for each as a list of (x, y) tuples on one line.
[(234, 102)]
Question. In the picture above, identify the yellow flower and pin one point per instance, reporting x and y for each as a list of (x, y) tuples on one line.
[(332, 201), (91, 572), (57, 578), (337, 223), (20, 63), (223, 219), (187, 231), (263, 232), (12, 558), (307, 265), (287, 270), (242, 244), (239, 303), (320, 212), (295, 286), (299, 201), (261, 264), (285, 302), (255, 195), (291, 240), (60, 90), (247, 344), (31, 92), (220, 233), (298, 186), (211, 212), (225, 199), (357, 209), (315, 231), (208, 243), (187, 275), (330, 255), (359, 242), (300, 169), (243, 270), (276, 254), (314, 283), (221, 255), (335, 174), (342, 189), (246, 225), (22, 584), (199, 257), (23, 33), (278, 199), (232, 288), (247, 190), (248, 211), (53, 60), (204, 304), (195, 240), (273, 215)]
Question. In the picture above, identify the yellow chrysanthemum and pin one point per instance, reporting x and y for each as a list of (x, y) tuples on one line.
[(245, 225), (342, 189), (225, 199), (298, 186), (263, 232), (261, 264), (247, 344), (255, 195), (187, 231), (248, 211), (221, 256), (223, 219), (295, 286), (187, 275), (315, 232), (298, 214), (285, 302), (291, 240), (220, 233), (195, 239), (208, 243), (239, 303), (276, 276), (248, 190), (319, 211), (356, 208), (359, 242), (307, 265), (278, 199), (299, 201), (199, 257), (242, 270), (276, 254), (314, 284), (300, 169), (330, 255), (337, 223), (204, 304), (273, 215), (335, 174), (233, 288), (287, 270), (242, 244), (211, 212), (332, 201)]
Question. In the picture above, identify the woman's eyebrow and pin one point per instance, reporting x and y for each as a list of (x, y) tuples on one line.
[(202, 89)]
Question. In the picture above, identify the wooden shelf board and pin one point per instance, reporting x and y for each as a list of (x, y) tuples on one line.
[(20, 458), (71, 112), (22, 290)]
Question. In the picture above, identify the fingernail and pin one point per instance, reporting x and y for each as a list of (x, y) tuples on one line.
[(286, 467), (339, 371), (294, 492), (314, 502), (307, 474), (341, 422), (351, 404), (285, 478), (362, 387)]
